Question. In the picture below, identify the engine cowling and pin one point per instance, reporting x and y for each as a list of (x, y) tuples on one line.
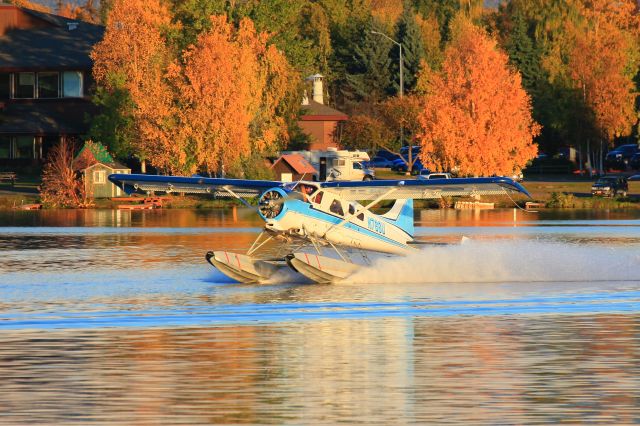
[(271, 203)]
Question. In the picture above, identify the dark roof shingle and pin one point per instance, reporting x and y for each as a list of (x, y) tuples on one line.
[(53, 46)]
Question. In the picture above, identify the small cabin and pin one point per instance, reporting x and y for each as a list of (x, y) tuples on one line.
[(96, 182), (96, 164), (292, 168)]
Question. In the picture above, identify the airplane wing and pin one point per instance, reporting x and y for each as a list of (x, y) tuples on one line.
[(220, 187), (422, 189)]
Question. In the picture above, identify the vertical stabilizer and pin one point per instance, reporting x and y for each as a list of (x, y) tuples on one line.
[(401, 215)]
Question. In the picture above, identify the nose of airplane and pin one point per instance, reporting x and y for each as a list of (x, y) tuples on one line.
[(272, 224)]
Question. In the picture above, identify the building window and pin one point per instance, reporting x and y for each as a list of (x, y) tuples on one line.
[(99, 176), (72, 84), (23, 147), (24, 85), (48, 84), (5, 85), (5, 147)]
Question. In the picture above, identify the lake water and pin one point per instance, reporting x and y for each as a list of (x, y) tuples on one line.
[(115, 317)]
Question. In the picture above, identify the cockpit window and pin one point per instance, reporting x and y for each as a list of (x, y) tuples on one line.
[(336, 207)]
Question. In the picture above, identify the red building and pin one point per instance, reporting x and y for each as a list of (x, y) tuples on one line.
[(45, 76), (319, 121), (292, 168)]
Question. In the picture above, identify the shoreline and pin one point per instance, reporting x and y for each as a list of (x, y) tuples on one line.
[(550, 192)]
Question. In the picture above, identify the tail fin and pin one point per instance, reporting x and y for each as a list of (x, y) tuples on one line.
[(401, 215)]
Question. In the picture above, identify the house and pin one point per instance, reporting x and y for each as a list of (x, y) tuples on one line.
[(319, 121), (96, 164), (293, 167), (45, 77)]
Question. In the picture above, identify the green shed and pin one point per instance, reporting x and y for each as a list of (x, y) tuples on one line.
[(96, 182)]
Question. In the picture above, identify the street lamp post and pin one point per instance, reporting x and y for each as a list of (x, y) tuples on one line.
[(409, 153)]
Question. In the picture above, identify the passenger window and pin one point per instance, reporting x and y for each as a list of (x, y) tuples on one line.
[(361, 216), (318, 198), (336, 207), (352, 209)]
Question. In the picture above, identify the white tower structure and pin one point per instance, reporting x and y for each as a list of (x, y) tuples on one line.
[(317, 94)]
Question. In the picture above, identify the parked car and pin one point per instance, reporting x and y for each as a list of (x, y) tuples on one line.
[(401, 166), (383, 153), (380, 162), (610, 186), (426, 175), (634, 162), (619, 157)]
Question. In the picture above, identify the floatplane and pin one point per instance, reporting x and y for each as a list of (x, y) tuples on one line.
[(317, 226)]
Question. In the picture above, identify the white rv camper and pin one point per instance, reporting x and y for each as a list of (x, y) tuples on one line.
[(334, 164)]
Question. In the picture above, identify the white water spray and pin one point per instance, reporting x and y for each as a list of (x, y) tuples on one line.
[(512, 261)]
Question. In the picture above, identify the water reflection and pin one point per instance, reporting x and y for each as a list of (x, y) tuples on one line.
[(383, 371)]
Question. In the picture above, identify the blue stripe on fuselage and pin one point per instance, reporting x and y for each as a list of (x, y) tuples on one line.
[(307, 209)]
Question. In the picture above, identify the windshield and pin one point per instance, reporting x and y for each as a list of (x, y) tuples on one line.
[(606, 181)]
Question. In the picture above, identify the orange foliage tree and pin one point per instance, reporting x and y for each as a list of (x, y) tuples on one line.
[(476, 117), (230, 89), (603, 62), (134, 56)]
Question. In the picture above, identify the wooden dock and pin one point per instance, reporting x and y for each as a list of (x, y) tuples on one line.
[(467, 205), (140, 203)]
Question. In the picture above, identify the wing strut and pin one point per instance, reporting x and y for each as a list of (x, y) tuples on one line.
[(357, 212), (242, 200)]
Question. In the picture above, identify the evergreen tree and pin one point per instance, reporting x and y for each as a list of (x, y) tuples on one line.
[(409, 35), (368, 77), (523, 53)]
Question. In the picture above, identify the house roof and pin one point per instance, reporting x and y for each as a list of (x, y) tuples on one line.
[(49, 46), (44, 117), (315, 111), (297, 162), (113, 166), (97, 151)]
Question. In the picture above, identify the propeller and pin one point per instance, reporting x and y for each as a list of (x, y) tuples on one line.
[(270, 204)]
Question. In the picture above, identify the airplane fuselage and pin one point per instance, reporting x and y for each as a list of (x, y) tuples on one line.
[(339, 222)]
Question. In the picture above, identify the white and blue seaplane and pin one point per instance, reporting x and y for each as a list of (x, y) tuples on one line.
[(318, 226)]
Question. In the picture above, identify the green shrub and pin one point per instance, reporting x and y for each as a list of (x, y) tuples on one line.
[(561, 200)]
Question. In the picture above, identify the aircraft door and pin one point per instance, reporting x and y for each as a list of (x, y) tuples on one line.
[(323, 169)]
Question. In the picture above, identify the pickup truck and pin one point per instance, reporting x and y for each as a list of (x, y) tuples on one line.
[(429, 176)]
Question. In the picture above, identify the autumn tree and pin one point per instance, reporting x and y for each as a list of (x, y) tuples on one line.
[(431, 40), (136, 66), (366, 131), (62, 185), (33, 5), (232, 85), (603, 63), (86, 11), (476, 117)]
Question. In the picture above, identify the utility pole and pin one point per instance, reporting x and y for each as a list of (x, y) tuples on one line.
[(400, 63)]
